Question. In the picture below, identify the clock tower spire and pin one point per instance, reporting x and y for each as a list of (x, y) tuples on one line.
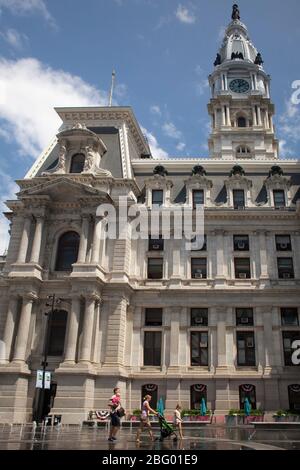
[(240, 107)]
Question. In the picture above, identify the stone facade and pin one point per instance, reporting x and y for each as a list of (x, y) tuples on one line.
[(107, 292)]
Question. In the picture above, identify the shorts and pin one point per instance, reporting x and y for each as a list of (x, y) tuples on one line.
[(115, 420)]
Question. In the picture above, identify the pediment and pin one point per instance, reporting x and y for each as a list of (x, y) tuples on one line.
[(63, 189)]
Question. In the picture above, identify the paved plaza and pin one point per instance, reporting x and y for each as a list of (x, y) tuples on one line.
[(25, 437)]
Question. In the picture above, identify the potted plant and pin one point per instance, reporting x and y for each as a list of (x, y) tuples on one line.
[(286, 416)]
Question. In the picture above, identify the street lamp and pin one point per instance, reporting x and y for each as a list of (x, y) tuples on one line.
[(51, 302)]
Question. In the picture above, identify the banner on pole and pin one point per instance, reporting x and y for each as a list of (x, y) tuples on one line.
[(39, 379)]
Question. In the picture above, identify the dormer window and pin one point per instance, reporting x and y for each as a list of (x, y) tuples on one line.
[(279, 198), (77, 163), (198, 197), (241, 121), (157, 197), (238, 199)]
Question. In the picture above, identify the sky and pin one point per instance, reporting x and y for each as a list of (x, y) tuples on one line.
[(62, 53)]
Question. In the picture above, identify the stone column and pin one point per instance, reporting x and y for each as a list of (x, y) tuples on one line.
[(10, 327), (176, 252), (88, 327), (37, 240), (268, 337), (263, 255), (96, 240), (174, 337), (259, 116), (221, 337), (24, 240), (219, 234), (254, 116), (83, 239), (23, 329), (72, 334), (223, 116), (228, 116)]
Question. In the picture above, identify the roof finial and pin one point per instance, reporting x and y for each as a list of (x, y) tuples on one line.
[(113, 75), (235, 12)]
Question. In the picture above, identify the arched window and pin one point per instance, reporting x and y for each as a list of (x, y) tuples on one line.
[(241, 121), (247, 391), (150, 389), (77, 163), (198, 391), (294, 397), (67, 251), (57, 333), (243, 151)]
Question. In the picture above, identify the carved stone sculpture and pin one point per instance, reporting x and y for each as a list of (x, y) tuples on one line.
[(235, 12)]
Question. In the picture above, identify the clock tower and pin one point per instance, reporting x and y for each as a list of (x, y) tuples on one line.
[(240, 107)]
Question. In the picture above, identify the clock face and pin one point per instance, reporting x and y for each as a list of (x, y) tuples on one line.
[(238, 85)]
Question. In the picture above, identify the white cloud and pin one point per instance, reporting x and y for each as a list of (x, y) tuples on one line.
[(155, 110), (171, 131), (180, 146), (289, 127), (15, 39), (30, 90), (8, 188), (24, 7), (184, 15), (156, 150)]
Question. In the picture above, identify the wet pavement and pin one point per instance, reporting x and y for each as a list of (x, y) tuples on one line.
[(67, 437)]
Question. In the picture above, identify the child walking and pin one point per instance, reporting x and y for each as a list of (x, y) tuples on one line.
[(178, 420)]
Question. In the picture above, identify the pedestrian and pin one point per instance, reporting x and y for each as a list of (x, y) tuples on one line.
[(178, 420), (145, 422), (114, 405)]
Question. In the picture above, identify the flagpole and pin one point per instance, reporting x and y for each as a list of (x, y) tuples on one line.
[(113, 75)]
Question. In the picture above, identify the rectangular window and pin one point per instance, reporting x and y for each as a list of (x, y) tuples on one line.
[(152, 348), (199, 348), (155, 268), (283, 243), (245, 348), (199, 247), (289, 317), (153, 317), (199, 316), (198, 197), (288, 338), (238, 199), (157, 197), (285, 268), (241, 242), (279, 198), (198, 268), (244, 316), (156, 244), (242, 268)]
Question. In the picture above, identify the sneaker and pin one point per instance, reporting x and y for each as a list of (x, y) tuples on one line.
[(110, 439), (114, 438)]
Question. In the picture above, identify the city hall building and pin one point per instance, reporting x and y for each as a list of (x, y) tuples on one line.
[(149, 315)]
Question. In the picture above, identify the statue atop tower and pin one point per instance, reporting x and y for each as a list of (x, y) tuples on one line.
[(235, 12)]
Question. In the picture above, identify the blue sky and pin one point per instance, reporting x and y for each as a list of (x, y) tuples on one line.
[(62, 52)]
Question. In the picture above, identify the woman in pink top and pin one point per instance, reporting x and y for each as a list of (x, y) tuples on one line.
[(145, 422)]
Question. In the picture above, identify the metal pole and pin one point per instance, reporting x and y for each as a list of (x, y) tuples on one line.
[(113, 75), (45, 357)]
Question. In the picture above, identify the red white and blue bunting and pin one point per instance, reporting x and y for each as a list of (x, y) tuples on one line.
[(247, 388), (150, 387), (294, 388), (199, 388)]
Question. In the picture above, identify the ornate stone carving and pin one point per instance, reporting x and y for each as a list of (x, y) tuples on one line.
[(235, 12)]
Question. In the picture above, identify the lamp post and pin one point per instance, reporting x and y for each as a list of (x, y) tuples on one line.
[(52, 301)]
